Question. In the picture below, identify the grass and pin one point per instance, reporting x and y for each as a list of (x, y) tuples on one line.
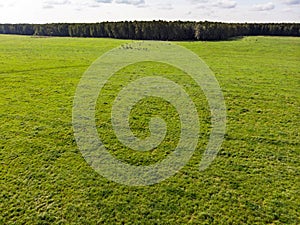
[(254, 180)]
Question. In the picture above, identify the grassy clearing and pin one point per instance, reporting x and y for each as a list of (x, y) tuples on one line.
[(254, 180)]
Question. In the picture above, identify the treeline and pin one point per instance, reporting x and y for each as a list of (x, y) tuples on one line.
[(155, 30)]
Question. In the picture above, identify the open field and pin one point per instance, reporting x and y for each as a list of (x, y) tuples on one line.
[(255, 178)]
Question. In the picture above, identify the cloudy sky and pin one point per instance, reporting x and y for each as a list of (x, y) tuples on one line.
[(47, 11)]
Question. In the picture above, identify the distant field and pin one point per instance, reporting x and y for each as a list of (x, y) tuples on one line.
[(255, 178)]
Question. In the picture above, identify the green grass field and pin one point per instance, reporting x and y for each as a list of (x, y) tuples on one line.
[(255, 178)]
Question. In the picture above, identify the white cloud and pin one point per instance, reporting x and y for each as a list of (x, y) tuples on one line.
[(198, 1), (292, 2), (57, 2), (264, 7), (51, 3), (226, 4), (103, 1), (167, 6), (94, 4), (131, 2), (48, 7)]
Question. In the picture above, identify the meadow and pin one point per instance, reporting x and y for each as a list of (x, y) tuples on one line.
[(255, 179)]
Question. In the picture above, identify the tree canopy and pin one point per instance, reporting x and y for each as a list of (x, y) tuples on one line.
[(155, 30)]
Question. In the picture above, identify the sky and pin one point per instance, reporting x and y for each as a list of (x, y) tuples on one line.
[(52, 11)]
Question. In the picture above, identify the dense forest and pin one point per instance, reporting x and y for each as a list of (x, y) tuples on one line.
[(155, 30)]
